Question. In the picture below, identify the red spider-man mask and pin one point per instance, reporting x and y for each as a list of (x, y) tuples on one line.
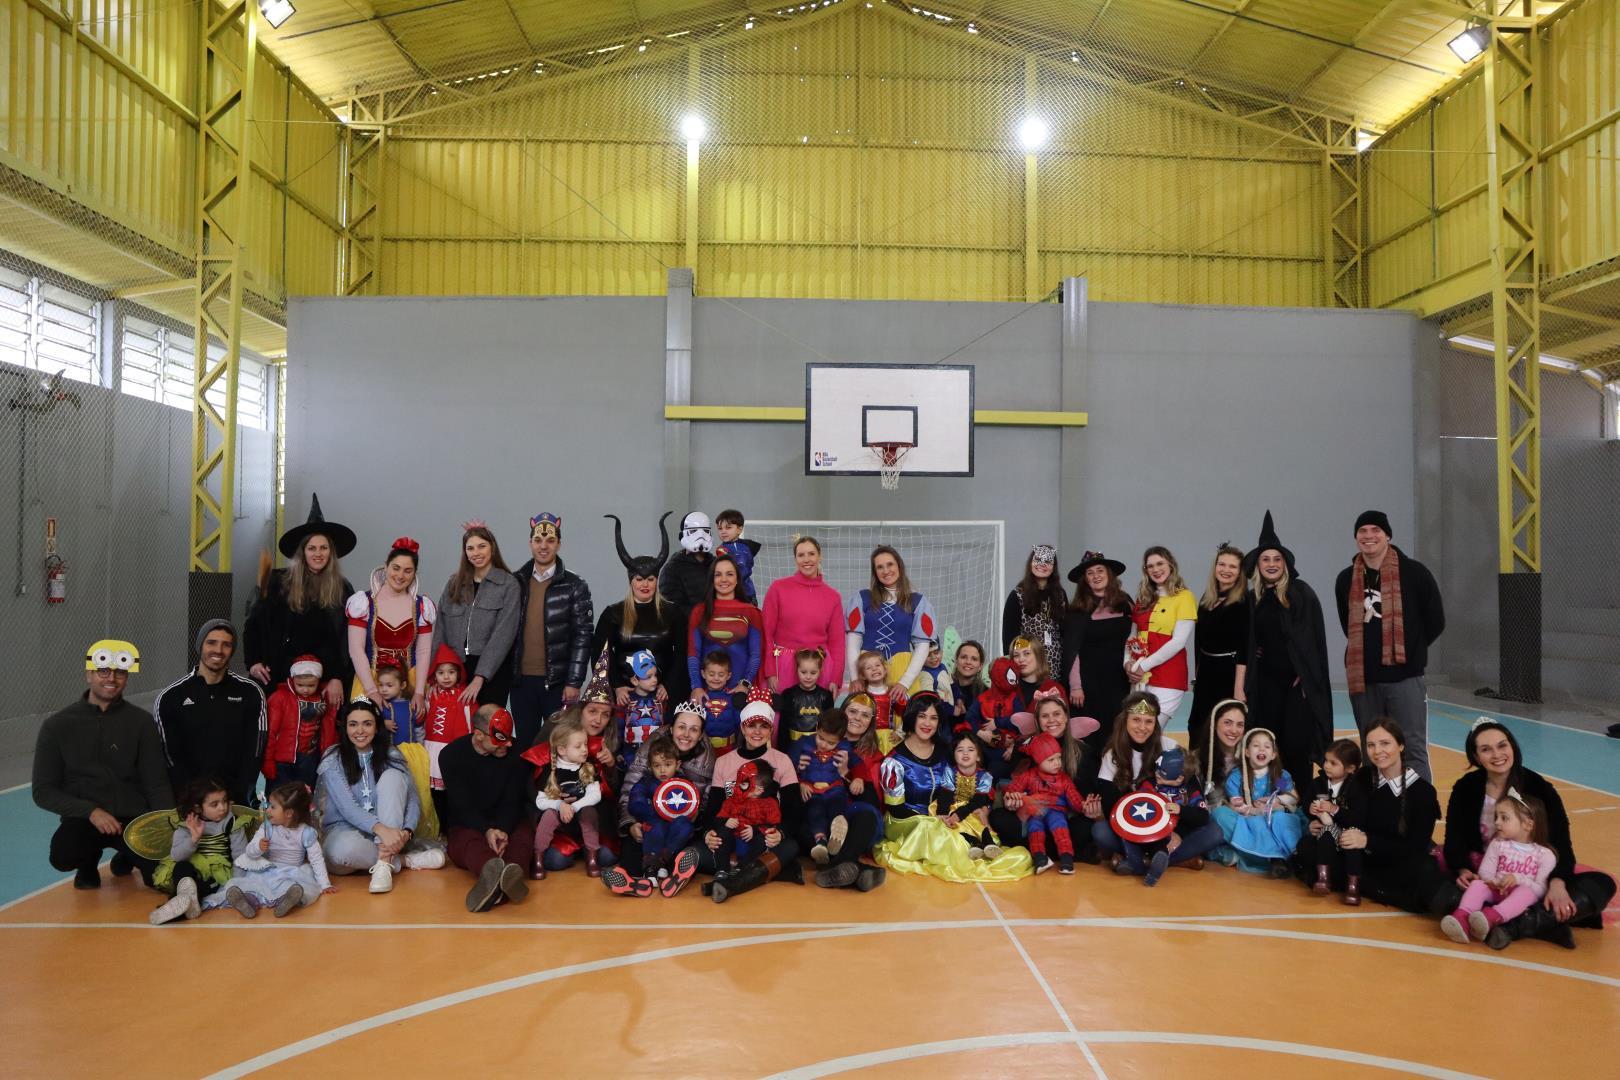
[(1004, 674)]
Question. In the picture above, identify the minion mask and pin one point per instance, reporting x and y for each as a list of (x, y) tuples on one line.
[(697, 533), (111, 653)]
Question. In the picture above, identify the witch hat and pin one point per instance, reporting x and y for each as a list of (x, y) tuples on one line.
[(1268, 542), (341, 536)]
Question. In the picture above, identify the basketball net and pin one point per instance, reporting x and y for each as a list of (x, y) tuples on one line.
[(889, 455)]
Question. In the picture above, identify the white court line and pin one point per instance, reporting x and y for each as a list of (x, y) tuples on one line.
[(1121, 1038), (1595, 810), (15, 787), (534, 978), (1063, 1014), (1478, 710)]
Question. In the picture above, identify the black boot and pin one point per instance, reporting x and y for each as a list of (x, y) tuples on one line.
[(1540, 923), (1446, 899), (746, 878)]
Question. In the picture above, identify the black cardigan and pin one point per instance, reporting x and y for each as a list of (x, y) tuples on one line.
[(1399, 828), (1468, 801)]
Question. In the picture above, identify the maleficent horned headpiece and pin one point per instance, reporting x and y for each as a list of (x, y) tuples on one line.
[(643, 566)]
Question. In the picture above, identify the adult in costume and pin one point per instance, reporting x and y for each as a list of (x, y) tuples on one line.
[(643, 620), (478, 616), (1576, 895), (552, 652), (1165, 615), (1094, 631), (1286, 676), (369, 803), (487, 828), (1223, 642), (1396, 832), (98, 764), (802, 611), (685, 578), (1390, 610), (891, 619), (919, 785), (1034, 609), (299, 610), (391, 623), (213, 721), (726, 624)]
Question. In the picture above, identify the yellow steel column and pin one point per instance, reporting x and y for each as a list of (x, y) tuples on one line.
[(1344, 243), (226, 55), (366, 139), (1512, 152), (1032, 201)]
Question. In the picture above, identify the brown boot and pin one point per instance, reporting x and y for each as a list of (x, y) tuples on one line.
[(1322, 887), (591, 869), (1352, 891)]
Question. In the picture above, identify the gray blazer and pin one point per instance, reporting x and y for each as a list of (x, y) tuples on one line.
[(485, 627)]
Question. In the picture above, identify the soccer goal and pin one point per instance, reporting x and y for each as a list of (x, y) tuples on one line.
[(958, 565)]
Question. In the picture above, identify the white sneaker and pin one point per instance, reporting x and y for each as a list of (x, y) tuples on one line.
[(187, 891), (382, 877), (430, 857), (168, 911)]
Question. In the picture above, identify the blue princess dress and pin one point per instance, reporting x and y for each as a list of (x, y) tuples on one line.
[(294, 858), (1272, 835)]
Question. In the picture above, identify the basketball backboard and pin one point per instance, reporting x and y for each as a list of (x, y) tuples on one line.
[(852, 408)]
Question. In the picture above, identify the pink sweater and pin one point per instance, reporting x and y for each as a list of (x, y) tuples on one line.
[(802, 613), (1530, 864)]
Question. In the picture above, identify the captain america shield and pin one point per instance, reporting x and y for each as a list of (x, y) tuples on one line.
[(676, 798), (1142, 817)]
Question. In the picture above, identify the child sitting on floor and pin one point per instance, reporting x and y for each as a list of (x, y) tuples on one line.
[(283, 866)]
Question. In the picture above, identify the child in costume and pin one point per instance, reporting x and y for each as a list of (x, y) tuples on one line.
[(661, 839), (1334, 806), (721, 715), (969, 813), (728, 528), (1512, 876), (825, 761), (872, 677), (1187, 804), (802, 705), (569, 792), (210, 835), (283, 866), (935, 677), (995, 709), (448, 717), (748, 811), (1259, 819), (1043, 797), (396, 710), (642, 713), (300, 726)]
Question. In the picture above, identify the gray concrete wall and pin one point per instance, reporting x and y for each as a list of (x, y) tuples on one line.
[(1200, 419)]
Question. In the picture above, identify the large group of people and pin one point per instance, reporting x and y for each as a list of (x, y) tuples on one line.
[(706, 725)]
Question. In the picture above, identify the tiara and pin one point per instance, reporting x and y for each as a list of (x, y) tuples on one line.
[(690, 708), (1145, 707), (474, 523), (1021, 642)]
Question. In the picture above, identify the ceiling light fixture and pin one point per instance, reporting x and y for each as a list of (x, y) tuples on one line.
[(1033, 133), (693, 128), (276, 12), (1470, 43)]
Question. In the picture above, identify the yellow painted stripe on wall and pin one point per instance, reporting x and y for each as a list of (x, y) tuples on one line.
[(771, 414)]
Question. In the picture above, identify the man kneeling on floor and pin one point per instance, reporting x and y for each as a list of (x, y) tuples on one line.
[(487, 794)]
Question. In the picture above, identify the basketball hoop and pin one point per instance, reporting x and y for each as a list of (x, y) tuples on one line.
[(889, 455)]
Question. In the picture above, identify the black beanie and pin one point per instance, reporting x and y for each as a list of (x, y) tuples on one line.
[(1375, 517)]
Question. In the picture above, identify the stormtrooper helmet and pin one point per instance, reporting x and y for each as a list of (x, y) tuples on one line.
[(697, 533)]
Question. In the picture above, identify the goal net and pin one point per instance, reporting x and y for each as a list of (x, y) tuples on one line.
[(958, 565)]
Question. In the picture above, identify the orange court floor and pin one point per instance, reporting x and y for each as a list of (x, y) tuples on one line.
[(1212, 973)]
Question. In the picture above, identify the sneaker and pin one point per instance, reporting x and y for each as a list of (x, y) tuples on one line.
[(289, 900), (187, 891), (1065, 864), (481, 897), (168, 911), (122, 865), (1156, 868), (1122, 866), (238, 899), (88, 877), (975, 853), (1042, 863), (622, 884), (836, 833), (382, 877), (425, 858), (992, 851), (1226, 855), (820, 855), (513, 887), (676, 877), (869, 878), (1454, 929), (1479, 926), (838, 877)]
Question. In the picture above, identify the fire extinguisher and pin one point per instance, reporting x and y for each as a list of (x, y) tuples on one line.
[(55, 580)]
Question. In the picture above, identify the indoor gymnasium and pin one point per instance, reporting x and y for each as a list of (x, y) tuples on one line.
[(731, 538)]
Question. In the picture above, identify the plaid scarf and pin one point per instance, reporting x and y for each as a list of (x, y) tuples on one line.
[(1394, 620)]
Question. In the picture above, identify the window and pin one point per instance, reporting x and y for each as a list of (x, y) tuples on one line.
[(48, 328), (158, 365)]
